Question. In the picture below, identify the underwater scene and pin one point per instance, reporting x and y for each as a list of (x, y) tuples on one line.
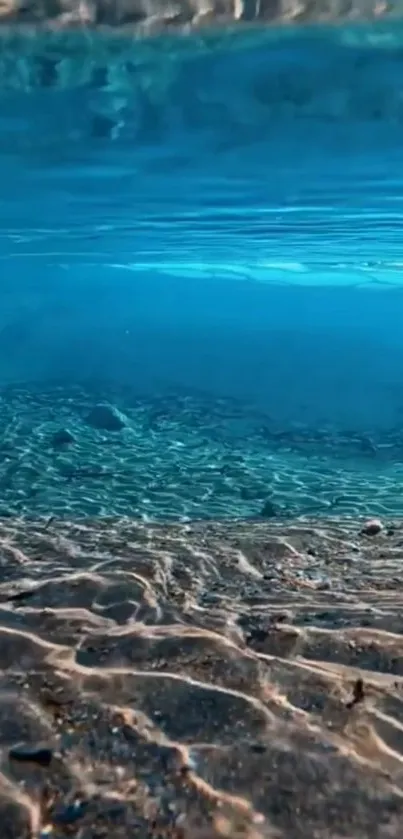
[(202, 235), (201, 449)]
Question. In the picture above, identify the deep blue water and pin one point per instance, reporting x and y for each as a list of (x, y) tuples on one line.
[(189, 224)]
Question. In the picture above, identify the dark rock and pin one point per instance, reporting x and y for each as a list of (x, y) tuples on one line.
[(21, 596), (106, 418), (269, 510), (358, 693), (257, 635), (62, 437), (42, 755), (258, 748), (372, 527)]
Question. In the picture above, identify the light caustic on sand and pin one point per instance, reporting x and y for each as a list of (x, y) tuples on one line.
[(201, 680)]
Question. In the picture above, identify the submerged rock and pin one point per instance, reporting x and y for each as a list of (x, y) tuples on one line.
[(106, 418), (372, 527), (62, 437), (42, 755), (269, 510)]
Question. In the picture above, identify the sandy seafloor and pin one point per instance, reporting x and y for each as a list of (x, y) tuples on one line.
[(196, 679)]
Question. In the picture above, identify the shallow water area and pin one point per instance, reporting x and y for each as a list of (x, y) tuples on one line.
[(184, 455), (201, 407)]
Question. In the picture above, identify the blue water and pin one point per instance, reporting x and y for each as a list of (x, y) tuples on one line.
[(204, 233)]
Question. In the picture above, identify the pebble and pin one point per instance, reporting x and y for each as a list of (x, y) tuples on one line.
[(62, 437), (268, 510), (42, 755), (258, 748), (106, 418), (372, 527)]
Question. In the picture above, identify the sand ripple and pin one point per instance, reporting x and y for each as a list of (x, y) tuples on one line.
[(199, 680)]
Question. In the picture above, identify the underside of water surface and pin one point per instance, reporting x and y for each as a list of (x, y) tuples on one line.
[(203, 234)]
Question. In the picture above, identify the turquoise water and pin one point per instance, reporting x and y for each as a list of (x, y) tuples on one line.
[(203, 233)]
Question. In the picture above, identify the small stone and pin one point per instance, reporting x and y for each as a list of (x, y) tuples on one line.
[(42, 755), (106, 418), (257, 635), (372, 527), (62, 437), (258, 748), (268, 510), (358, 693)]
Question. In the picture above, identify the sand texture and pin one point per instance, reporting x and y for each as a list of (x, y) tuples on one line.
[(181, 455), (153, 15), (205, 680)]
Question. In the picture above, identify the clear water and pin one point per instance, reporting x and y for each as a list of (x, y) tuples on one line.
[(204, 233)]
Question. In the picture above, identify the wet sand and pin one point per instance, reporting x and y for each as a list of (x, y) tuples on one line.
[(205, 680)]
